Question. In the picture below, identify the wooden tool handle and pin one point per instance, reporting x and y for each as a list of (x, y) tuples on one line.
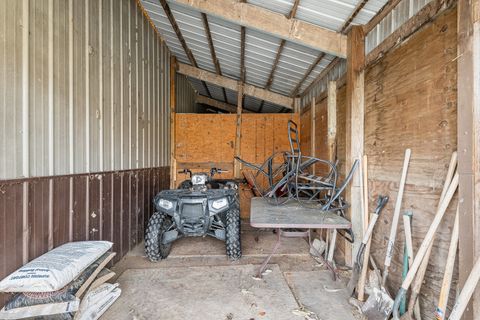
[(396, 216)]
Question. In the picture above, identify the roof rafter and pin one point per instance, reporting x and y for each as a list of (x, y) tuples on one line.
[(355, 12), (217, 104), (386, 9), (324, 73), (295, 30), (307, 73), (232, 84), (291, 15), (181, 39), (212, 51)]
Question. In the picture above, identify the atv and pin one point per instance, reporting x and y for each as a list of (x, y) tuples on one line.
[(201, 206)]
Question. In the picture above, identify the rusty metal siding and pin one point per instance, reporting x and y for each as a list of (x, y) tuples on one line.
[(110, 206), (84, 88)]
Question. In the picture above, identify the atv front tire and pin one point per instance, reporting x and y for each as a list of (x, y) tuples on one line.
[(157, 226), (232, 233)]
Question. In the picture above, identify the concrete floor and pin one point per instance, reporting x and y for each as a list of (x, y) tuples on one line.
[(197, 281)]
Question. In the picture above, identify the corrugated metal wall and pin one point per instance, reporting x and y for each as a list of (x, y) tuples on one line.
[(84, 116), (84, 87), (396, 18), (185, 95)]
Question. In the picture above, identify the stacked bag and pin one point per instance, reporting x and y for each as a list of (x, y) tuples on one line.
[(68, 282)]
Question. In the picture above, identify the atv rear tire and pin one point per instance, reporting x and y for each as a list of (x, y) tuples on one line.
[(157, 226), (232, 233)]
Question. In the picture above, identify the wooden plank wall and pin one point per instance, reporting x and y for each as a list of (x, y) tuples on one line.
[(111, 206), (203, 141), (321, 130), (410, 99)]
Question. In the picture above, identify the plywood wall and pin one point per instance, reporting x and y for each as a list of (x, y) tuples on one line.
[(203, 141), (411, 103), (321, 129)]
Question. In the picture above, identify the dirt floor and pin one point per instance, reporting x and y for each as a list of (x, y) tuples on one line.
[(197, 281)]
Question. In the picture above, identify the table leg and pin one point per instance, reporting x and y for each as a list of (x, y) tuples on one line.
[(324, 261), (275, 248)]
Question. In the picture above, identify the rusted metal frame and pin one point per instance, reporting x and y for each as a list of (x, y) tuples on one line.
[(212, 52), (305, 76), (181, 39), (355, 12)]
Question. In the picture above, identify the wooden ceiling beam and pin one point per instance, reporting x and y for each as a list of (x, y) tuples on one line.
[(213, 54), (255, 17), (181, 39), (323, 74), (305, 76), (242, 54), (232, 84), (386, 9), (293, 12), (217, 104), (355, 12)]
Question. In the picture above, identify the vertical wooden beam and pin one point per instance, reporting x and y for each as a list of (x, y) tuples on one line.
[(468, 135), (355, 130), (238, 138), (313, 119), (173, 103), (332, 119)]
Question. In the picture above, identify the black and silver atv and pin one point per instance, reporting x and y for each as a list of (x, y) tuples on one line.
[(200, 206)]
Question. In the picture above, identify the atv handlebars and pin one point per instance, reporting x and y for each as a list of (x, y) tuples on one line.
[(213, 171)]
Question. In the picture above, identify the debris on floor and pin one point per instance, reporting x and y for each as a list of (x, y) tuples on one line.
[(66, 282)]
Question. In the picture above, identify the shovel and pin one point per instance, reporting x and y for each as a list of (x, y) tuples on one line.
[(382, 201)]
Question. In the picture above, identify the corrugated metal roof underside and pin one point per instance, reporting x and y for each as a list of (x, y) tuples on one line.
[(329, 14), (260, 48)]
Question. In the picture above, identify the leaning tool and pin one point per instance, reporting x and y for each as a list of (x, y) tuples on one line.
[(396, 216), (425, 244), (466, 294), (382, 201), (447, 276), (417, 283)]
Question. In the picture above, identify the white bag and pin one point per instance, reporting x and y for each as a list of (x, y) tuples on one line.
[(55, 269), (97, 301), (40, 310)]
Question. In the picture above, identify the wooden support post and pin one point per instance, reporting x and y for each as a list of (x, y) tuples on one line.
[(238, 138), (296, 105), (173, 160), (332, 119), (468, 135), (355, 131), (313, 130)]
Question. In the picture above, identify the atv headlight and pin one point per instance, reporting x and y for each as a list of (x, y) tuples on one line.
[(220, 203), (165, 204)]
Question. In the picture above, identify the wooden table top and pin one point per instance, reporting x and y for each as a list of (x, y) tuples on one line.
[(292, 215)]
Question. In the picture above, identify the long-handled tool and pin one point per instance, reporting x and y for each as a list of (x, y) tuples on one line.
[(395, 218), (425, 244), (447, 276), (382, 201), (467, 291), (363, 275), (417, 284), (407, 223)]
